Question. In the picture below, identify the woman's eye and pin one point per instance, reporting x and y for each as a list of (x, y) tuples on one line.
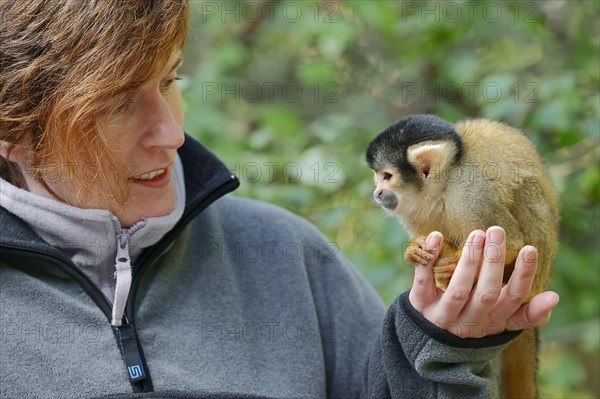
[(168, 83)]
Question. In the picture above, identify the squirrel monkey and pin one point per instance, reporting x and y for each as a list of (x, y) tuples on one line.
[(458, 178)]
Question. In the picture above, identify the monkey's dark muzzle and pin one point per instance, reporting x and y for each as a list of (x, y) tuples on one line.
[(386, 198)]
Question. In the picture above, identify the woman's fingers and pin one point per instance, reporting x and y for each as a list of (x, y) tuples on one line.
[(519, 285), (489, 284), (424, 292), (536, 313), (471, 311), (461, 283)]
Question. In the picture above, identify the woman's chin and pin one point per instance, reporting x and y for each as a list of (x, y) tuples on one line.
[(144, 208)]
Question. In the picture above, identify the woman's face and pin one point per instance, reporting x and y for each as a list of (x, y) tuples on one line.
[(146, 134)]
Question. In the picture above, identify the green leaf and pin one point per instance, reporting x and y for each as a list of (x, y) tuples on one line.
[(317, 71)]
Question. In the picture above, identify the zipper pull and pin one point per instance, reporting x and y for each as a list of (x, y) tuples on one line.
[(123, 277), (127, 339)]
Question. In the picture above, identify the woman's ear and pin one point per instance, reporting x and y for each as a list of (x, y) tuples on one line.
[(13, 152)]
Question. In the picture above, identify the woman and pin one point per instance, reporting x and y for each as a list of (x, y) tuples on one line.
[(124, 267)]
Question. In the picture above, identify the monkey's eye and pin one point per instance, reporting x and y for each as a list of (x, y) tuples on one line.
[(387, 176)]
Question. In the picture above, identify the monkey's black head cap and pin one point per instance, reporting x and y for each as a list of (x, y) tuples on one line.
[(389, 147)]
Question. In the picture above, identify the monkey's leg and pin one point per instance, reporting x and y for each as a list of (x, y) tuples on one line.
[(519, 365), (445, 265)]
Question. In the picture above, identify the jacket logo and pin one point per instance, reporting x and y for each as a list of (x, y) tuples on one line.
[(134, 371)]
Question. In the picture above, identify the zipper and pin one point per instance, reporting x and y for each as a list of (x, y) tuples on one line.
[(122, 277), (126, 335), (133, 356)]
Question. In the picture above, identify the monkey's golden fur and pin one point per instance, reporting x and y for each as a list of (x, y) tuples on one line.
[(499, 180)]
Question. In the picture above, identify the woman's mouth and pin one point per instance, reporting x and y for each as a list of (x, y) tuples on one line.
[(150, 175), (157, 178)]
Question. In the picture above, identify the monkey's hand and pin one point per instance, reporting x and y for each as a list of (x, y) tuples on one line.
[(418, 252)]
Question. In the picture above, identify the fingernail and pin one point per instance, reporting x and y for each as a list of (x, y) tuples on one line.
[(496, 235), (434, 241), (477, 238), (434, 238), (529, 254), (556, 298), (554, 302)]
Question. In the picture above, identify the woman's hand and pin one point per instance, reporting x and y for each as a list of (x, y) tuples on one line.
[(488, 308)]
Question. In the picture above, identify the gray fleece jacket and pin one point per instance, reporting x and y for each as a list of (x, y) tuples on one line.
[(239, 300)]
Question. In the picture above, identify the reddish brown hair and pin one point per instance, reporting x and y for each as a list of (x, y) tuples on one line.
[(63, 64)]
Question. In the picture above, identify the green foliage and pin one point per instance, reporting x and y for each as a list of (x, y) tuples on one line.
[(288, 94)]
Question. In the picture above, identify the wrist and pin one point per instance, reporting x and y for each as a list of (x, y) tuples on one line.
[(446, 337)]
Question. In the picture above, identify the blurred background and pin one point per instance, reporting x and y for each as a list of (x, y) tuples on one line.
[(289, 93)]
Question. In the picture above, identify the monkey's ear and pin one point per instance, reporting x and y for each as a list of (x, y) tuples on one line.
[(430, 159)]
